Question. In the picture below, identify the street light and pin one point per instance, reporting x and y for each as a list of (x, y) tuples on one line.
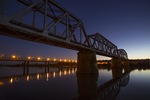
[(13, 57), (48, 59), (54, 59), (38, 58), (60, 60), (29, 58), (65, 60)]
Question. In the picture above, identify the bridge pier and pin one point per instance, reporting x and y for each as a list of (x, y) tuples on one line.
[(116, 63), (87, 63), (126, 65)]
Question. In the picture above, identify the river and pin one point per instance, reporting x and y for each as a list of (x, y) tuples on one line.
[(66, 84)]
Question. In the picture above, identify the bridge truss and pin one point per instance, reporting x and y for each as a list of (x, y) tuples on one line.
[(47, 22)]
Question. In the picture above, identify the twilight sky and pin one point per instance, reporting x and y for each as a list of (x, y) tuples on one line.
[(126, 23)]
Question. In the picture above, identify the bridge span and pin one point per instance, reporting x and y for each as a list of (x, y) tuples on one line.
[(47, 22)]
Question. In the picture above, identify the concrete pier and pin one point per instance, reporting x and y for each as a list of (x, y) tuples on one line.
[(120, 64), (116, 63), (126, 62), (126, 66), (87, 62)]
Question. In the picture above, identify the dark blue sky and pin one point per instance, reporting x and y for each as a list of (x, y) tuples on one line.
[(126, 23)]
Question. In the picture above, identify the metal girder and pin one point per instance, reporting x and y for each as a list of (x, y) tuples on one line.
[(58, 21), (122, 53), (102, 44), (47, 22), (50, 19)]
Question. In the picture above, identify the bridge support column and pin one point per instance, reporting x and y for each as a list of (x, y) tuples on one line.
[(87, 62), (126, 65), (116, 63)]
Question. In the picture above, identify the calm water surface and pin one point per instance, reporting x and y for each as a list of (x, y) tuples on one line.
[(65, 84)]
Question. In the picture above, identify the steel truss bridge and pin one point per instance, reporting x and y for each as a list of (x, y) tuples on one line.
[(45, 21)]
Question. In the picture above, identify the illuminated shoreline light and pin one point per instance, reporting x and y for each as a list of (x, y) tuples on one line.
[(65, 60), (13, 56), (38, 58), (29, 58), (54, 59), (48, 59), (60, 60)]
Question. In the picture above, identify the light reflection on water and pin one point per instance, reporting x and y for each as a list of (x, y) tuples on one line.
[(65, 84)]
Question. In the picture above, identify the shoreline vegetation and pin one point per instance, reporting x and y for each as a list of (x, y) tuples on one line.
[(133, 63)]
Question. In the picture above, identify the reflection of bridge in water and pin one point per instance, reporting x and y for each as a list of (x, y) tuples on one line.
[(88, 88), (110, 89)]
